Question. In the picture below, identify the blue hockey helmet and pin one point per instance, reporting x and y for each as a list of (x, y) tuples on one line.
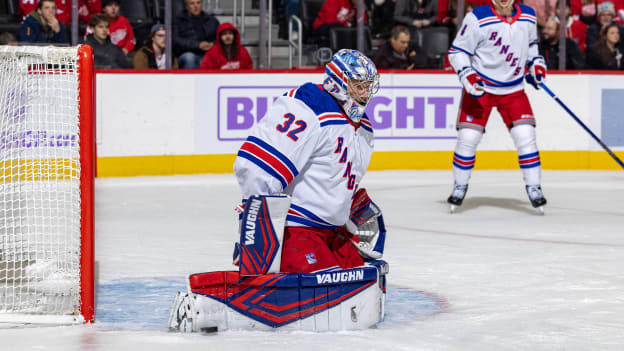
[(352, 79)]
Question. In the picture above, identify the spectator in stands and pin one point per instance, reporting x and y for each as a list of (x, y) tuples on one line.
[(63, 9), (105, 53), (194, 32), (396, 52), (7, 38), (575, 28), (606, 54), (549, 47), (382, 18), (416, 13), (334, 13), (544, 9), (86, 8), (606, 14), (152, 54), (227, 53), (590, 10), (121, 33), (41, 25), (447, 10)]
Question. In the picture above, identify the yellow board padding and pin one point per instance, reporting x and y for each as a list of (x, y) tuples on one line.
[(382, 160), (131, 166), (39, 170), (494, 160)]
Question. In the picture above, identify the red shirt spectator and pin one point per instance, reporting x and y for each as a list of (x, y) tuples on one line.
[(447, 9), (543, 9), (227, 53), (576, 6), (589, 10), (577, 31), (63, 9), (121, 33), (338, 11)]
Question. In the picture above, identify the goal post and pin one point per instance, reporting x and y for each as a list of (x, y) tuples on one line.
[(47, 161)]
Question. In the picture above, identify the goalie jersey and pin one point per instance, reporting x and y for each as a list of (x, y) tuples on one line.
[(308, 148), (497, 47)]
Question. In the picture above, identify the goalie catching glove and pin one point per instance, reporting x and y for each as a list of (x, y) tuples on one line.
[(366, 225), (537, 72), (472, 82)]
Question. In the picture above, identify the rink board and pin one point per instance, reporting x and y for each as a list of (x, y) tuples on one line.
[(187, 122)]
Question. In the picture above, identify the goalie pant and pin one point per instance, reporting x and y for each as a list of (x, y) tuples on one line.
[(308, 249)]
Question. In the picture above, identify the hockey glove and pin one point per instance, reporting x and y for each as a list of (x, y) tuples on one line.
[(537, 72), (472, 82), (367, 226)]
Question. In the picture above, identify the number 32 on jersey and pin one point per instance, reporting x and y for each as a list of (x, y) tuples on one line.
[(299, 126)]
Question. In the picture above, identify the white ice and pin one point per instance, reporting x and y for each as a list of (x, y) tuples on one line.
[(502, 276)]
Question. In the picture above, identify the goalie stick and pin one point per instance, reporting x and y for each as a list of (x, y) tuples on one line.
[(605, 147)]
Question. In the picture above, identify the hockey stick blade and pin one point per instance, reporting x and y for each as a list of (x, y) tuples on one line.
[(605, 147)]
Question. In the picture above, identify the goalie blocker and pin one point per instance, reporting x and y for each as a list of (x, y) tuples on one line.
[(258, 297)]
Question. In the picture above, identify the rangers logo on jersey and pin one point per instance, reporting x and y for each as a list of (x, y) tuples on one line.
[(502, 46)]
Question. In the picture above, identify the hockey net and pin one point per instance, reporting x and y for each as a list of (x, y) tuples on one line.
[(46, 188)]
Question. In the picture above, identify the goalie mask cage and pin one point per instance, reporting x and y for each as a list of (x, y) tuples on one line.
[(46, 192)]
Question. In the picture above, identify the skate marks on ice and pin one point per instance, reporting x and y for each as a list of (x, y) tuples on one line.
[(143, 304), (507, 238), (136, 304), (476, 202)]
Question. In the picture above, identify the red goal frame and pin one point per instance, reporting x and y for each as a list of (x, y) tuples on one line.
[(87, 175)]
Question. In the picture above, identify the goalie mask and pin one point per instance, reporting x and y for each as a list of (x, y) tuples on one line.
[(352, 79)]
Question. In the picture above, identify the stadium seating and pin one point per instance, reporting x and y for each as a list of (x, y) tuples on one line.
[(9, 21), (435, 43), (308, 10), (139, 14), (346, 38)]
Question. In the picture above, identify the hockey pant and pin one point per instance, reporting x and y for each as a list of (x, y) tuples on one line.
[(308, 249)]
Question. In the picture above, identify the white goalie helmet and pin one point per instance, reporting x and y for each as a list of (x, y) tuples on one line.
[(501, 4), (352, 79)]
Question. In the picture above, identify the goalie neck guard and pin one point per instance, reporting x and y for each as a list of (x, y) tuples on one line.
[(352, 79)]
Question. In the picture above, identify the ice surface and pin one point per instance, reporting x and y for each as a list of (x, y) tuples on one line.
[(492, 276)]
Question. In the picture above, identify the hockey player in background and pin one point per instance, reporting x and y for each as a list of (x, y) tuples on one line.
[(315, 145), (490, 52)]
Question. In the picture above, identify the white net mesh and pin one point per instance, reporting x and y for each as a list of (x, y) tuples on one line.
[(40, 185)]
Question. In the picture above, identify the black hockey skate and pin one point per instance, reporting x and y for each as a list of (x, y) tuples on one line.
[(537, 197), (457, 196)]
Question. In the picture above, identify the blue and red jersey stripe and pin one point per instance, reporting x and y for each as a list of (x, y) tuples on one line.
[(269, 159)]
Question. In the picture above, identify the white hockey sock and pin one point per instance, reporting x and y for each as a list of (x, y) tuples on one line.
[(464, 157), (528, 156)]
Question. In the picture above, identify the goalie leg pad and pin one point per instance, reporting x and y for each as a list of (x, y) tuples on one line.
[(324, 301), (261, 234)]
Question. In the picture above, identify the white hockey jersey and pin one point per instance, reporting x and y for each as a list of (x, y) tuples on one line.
[(497, 48), (308, 148)]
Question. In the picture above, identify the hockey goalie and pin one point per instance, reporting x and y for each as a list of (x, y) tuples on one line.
[(311, 240)]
